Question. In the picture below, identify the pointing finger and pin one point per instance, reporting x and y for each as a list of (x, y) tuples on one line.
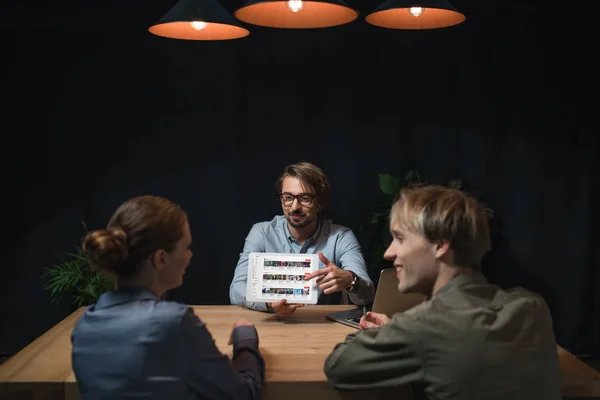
[(319, 272), (325, 260)]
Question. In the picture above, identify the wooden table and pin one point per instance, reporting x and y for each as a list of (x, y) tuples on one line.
[(294, 350)]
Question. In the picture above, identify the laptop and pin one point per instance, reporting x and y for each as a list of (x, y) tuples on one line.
[(388, 301)]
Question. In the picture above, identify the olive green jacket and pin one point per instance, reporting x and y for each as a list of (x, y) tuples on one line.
[(471, 341)]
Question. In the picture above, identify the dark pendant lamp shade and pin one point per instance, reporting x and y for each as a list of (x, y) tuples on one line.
[(296, 14), (198, 20), (415, 14)]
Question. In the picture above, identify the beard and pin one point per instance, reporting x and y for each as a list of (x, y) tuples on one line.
[(300, 223)]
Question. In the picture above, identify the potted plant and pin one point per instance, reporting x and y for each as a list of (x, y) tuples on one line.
[(375, 232), (72, 283)]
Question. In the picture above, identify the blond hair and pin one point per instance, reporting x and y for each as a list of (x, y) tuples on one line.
[(443, 214)]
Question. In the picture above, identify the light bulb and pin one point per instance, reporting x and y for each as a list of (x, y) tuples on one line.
[(198, 25), (416, 11), (295, 5)]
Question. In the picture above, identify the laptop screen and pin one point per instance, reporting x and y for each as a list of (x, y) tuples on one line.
[(388, 301)]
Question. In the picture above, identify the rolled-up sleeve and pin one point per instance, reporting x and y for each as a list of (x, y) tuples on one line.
[(351, 259), (210, 373), (376, 358), (255, 242)]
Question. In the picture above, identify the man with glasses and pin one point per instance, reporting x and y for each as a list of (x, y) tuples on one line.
[(304, 193)]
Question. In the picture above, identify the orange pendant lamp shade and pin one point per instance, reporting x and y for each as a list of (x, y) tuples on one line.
[(296, 14), (199, 20), (415, 14)]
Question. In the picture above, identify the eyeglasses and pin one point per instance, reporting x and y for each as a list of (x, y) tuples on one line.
[(305, 199)]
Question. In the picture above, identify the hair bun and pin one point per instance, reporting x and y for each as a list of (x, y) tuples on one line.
[(106, 248)]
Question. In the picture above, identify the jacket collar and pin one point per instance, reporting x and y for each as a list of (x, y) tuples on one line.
[(461, 280), (471, 289)]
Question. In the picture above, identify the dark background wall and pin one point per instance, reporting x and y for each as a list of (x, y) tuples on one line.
[(97, 110)]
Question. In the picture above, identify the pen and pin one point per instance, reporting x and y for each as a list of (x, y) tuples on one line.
[(364, 311)]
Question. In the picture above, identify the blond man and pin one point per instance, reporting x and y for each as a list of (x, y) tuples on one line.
[(469, 340)]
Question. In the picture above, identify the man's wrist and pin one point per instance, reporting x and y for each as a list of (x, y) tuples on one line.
[(353, 287)]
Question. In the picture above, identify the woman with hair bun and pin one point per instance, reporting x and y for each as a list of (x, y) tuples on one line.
[(133, 345)]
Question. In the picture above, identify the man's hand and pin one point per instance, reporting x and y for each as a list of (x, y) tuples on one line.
[(331, 278), (239, 322), (373, 320), (282, 308)]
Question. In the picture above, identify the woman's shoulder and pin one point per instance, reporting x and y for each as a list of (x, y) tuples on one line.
[(171, 311)]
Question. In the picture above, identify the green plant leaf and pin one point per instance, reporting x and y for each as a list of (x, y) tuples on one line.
[(79, 256), (72, 280), (389, 184), (64, 276), (377, 226), (455, 184), (412, 176)]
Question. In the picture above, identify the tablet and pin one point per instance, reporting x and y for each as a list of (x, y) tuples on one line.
[(276, 276)]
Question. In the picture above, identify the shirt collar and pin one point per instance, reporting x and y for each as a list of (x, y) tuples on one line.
[(322, 227), (125, 294)]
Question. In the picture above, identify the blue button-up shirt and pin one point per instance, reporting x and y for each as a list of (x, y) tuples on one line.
[(337, 243), (130, 345)]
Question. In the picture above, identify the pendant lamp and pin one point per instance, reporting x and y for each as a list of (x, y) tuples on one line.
[(198, 20), (296, 14), (415, 14)]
